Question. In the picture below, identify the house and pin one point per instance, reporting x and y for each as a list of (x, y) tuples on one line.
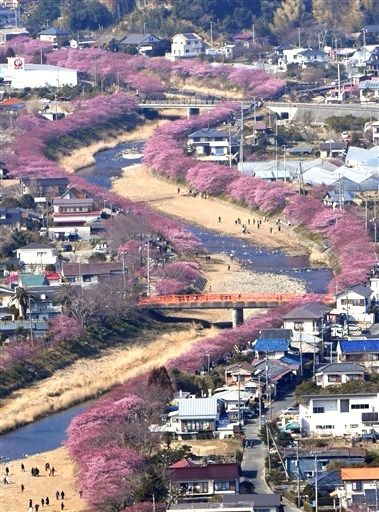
[(213, 144), (307, 319), (242, 372), (235, 503), (310, 56), (6, 295), (355, 302), (325, 456), (35, 256), (43, 304), (88, 274), (44, 187), (8, 17), (14, 329), (141, 42), (337, 198), (187, 45), (290, 53), (362, 351), (332, 149), (188, 479), (339, 415), (8, 33), (374, 285), (73, 215), (272, 348), (273, 372), (375, 132), (54, 35), (332, 374), (233, 398), (19, 218), (360, 158), (360, 490)]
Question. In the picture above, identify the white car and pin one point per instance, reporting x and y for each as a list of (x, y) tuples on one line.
[(290, 410)]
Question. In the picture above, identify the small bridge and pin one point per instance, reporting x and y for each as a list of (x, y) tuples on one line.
[(193, 105), (235, 301)]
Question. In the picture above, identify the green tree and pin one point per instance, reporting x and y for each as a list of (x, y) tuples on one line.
[(43, 14), (21, 300)]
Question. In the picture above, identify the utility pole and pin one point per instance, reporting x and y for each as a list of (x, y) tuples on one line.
[(299, 36), (316, 485), (284, 162), (276, 149), (148, 268), (211, 24), (260, 401), (30, 318), (241, 136), (301, 351), (230, 147), (253, 35), (239, 394), (298, 473)]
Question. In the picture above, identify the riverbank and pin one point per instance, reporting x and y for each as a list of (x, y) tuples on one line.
[(140, 184), (64, 479)]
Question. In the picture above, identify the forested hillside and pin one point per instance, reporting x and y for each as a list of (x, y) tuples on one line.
[(271, 18)]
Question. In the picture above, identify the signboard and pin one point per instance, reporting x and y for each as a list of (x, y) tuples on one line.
[(16, 64)]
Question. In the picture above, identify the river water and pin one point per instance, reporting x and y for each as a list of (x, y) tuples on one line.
[(49, 433)]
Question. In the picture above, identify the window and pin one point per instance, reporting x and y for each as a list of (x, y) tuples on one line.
[(357, 486), (87, 279), (355, 425), (318, 410), (344, 405), (360, 406), (298, 326), (334, 378), (370, 417), (225, 486), (353, 376)]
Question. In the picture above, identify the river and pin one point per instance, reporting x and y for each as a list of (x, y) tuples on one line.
[(49, 433)]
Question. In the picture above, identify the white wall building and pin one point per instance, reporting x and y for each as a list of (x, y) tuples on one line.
[(20, 75), (355, 302), (187, 45), (339, 415), (36, 256)]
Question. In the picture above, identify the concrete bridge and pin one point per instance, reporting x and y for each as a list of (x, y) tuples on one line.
[(237, 302), (192, 105), (319, 112)]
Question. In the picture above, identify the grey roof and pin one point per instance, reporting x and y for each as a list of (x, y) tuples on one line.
[(359, 289), (74, 201), (193, 408), (309, 52), (340, 452), (256, 500), (333, 146), (36, 245), (334, 195), (137, 39), (243, 365), (209, 132), (276, 333), (341, 368), (327, 480), (190, 35), (54, 31), (310, 311), (350, 395)]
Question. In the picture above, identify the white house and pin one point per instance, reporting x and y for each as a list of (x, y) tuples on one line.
[(306, 319), (310, 56), (355, 302), (36, 256), (360, 488), (212, 144), (54, 35), (339, 415), (374, 285), (290, 54), (333, 374), (187, 45)]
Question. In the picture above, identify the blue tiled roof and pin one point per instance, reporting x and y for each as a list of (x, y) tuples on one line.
[(271, 345), (359, 345)]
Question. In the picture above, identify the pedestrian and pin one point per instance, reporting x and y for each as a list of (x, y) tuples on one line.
[(178, 190), (5, 480), (30, 502), (53, 471), (253, 222), (236, 222), (210, 288), (219, 219), (22, 488), (228, 267), (22, 467), (37, 472), (47, 466), (42, 502), (47, 501), (279, 228), (7, 471), (57, 495), (270, 230), (258, 225), (248, 221), (36, 506), (80, 494), (62, 493), (62, 506)]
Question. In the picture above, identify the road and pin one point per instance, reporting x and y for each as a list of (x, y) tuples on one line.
[(253, 463)]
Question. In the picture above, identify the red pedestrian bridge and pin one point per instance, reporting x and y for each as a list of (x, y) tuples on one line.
[(235, 301)]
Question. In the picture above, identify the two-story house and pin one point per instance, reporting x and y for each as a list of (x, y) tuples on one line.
[(54, 35), (187, 45), (142, 43), (44, 187), (272, 348), (89, 274), (36, 256), (306, 319), (302, 462), (238, 372), (333, 374), (360, 489), (362, 351), (339, 415), (191, 480), (214, 145), (355, 302)]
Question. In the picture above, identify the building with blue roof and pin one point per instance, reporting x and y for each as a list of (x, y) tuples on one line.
[(273, 348), (363, 351)]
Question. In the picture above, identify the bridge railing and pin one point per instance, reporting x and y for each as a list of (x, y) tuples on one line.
[(224, 297)]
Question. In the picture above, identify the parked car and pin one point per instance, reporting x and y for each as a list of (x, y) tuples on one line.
[(290, 410)]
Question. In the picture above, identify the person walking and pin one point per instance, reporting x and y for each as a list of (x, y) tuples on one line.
[(62, 495), (57, 495), (36, 506), (5, 480), (42, 502), (30, 502), (22, 467), (178, 190), (62, 506), (47, 466), (22, 487), (80, 494), (53, 471), (47, 501), (219, 219), (7, 471)]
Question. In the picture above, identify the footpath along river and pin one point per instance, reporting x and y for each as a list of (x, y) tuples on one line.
[(49, 433)]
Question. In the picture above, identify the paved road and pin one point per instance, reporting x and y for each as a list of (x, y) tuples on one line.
[(253, 463)]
